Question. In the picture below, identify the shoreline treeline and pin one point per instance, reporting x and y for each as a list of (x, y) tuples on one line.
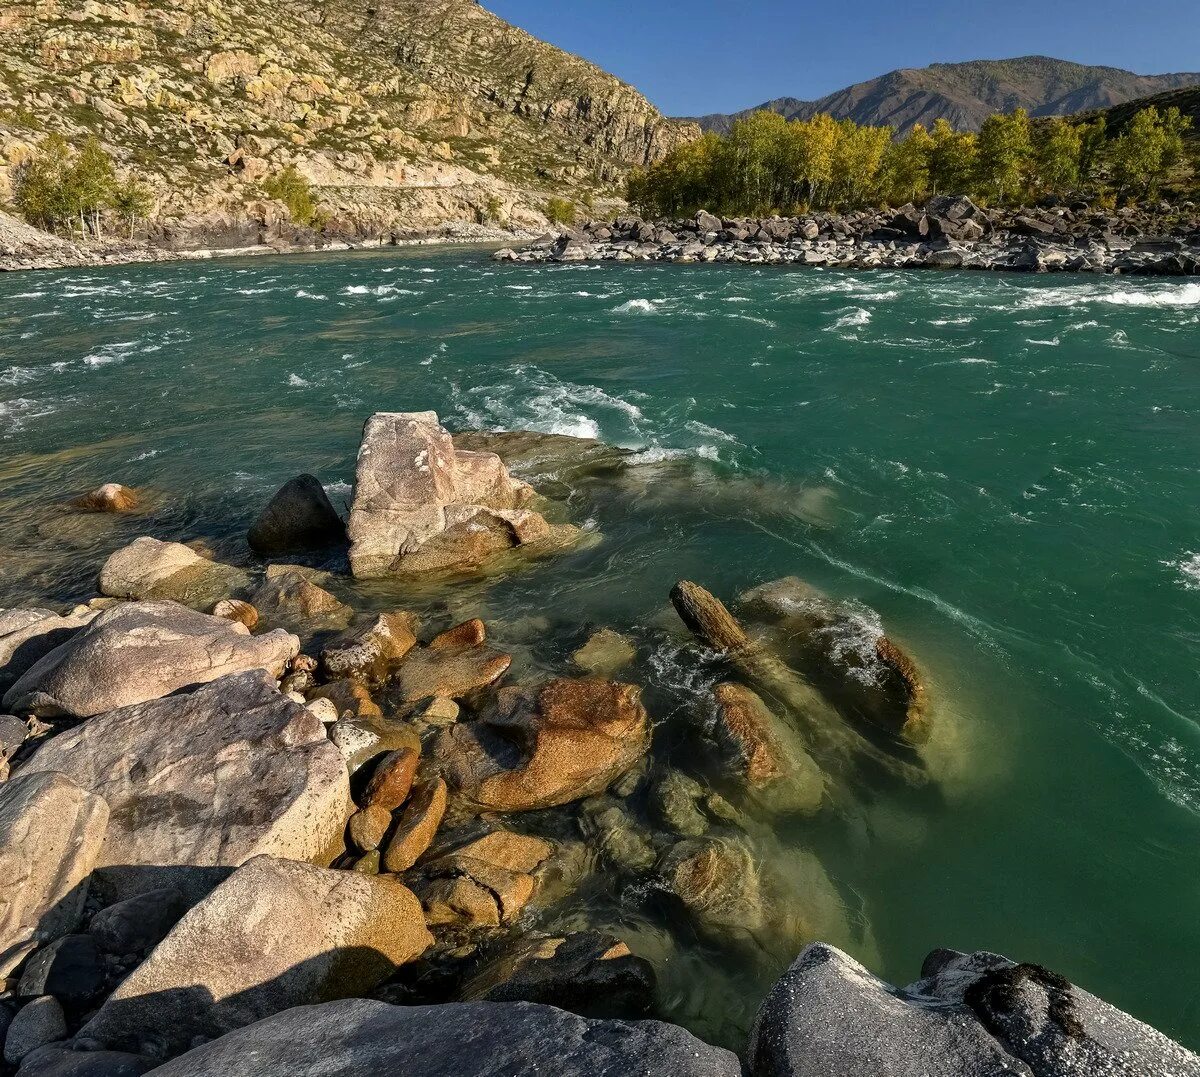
[(767, 164)]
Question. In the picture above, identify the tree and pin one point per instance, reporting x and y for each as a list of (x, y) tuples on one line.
[(560, 211), (1003, 154), (1057, 148), (294, 191), (1093, 138), (906, 165), (951, 159), (91, 183), (857, 160), (1137, 155), (41, 185), (133, 201)]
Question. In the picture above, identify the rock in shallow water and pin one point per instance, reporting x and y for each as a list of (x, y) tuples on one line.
[(276, 934), (142, 651), (360, 1038), (298, 517), (205, 780), (150, 569)]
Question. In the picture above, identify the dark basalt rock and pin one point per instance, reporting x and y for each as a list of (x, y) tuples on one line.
[(299, 517)]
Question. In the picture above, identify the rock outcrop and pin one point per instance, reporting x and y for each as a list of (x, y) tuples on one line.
[(276, 934), (420, 505), (141, 651), (205, 780), (51, 833)]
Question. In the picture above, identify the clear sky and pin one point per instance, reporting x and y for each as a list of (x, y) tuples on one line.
[(696, 56)]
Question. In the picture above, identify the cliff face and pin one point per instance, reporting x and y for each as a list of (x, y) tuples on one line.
[(402, 112), (967, 93)]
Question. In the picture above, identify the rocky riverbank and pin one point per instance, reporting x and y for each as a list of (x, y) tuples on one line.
[(944, 233), (242, 818)]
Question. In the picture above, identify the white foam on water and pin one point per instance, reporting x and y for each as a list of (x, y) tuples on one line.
[(1053, 342), (640, 306), (1188, 567), (19, 375), (1150, 295), (16, 414), (851, 318), (27, 295), (297, 382), (302, 294), (970, 359), (110, 353), (338, 489), (965, 319), (380, 290)]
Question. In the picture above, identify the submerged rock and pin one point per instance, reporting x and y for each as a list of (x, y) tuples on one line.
[(420, 505), (51, 833), (141, 651), (362, 1038), (718, 883), (298, 517), (275, 934), (111, 497), (205, 780), (150, 569), (454, 664), (235, 609), (541, 747), (605, 653), (293, 600), (27, 636)]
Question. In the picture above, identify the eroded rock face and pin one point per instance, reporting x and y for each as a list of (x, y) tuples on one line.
[(208, 779), (26, 636), (275, 934), (362, 1038), (141, 651), (51, 833), (298, 517), (541, 747), (420, 505), (150, 569)]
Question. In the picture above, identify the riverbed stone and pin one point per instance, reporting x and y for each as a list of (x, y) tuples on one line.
[(298, 517), (605, 653), (28, 635), (151, 569), (133, 927), (417, 825), (57, 1061), (205, 780), (275, 934), (717, 881), (110, 497), (36, 1024), (294, 600), (368, 827), (368, 651), (70, 969), (363, 1038), (454, 664), (236, 609), (539, 747), (141, 651), (51, 834)]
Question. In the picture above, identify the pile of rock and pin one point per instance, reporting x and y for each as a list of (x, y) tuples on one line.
[(947, 232)]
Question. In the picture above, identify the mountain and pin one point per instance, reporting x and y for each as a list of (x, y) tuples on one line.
[(401, 112), (967, 93), (1186, 100)]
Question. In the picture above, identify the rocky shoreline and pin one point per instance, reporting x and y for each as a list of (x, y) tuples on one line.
[(946, 232), (249, 828)]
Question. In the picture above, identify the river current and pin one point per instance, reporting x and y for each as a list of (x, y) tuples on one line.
[(1002, 471)]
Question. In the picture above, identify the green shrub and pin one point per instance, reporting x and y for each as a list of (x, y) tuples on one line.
[(295, 192), (560, 211)]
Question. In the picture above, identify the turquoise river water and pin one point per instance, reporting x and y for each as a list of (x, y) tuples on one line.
[(1004, 470)]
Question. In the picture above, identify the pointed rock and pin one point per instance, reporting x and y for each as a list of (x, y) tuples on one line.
[(298, 517)]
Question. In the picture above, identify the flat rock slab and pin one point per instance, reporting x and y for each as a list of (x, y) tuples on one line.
[(274, 935), (212, 778), (140, 651), (26, 636), (361, 1038), (151, 569), (51, 832)]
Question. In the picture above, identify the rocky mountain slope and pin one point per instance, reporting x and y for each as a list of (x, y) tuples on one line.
[(1186, 100), (404, 113), (967, 93)]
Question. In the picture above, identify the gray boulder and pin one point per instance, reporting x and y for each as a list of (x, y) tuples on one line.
[(141, 651), (51, 832), (150, 569), (299, 517), (55, 1061), (208, 779), (977, 1015), (274, 935), (133, 927), (41, 1022), (361, 1038), (29, 635)]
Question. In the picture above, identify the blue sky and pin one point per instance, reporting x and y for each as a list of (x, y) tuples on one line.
[(710, 56)]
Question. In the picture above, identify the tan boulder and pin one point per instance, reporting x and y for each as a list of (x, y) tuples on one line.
[(369, 651), (417, 826), (274, 935), (111, 497), (149, 569), (454, 664), (541, 747), (392, 779), (27, 636), (234, 609)]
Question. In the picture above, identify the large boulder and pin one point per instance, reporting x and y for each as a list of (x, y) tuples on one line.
[(422, 505), (541, 747), (150, 569), (28, 635), (274, 935), (51, 832), (970, 1014), (142, 651), (299, 517), (205, 780), (362, 1038)]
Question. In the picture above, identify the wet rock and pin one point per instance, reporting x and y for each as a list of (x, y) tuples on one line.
[(295, 601), (234, 609), (392, 779), (368, 827), (111, 497), (275, 934), (435, 711), (483, 884), (350, 698), (615, 835), (362, 1038), (454, 664), (368, 651), (421, 505), (141, 651), (298, 517), (717, 882), (280, 787), (51, 832), (69, 968), (149, 569), (417, 826), (605, 653), (27, 636), (133, 927), (676, 801), (588, 973), (541, 747), (36, 1024)]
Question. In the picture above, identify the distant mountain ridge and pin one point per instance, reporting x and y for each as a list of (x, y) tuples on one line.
[(967, 93)]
